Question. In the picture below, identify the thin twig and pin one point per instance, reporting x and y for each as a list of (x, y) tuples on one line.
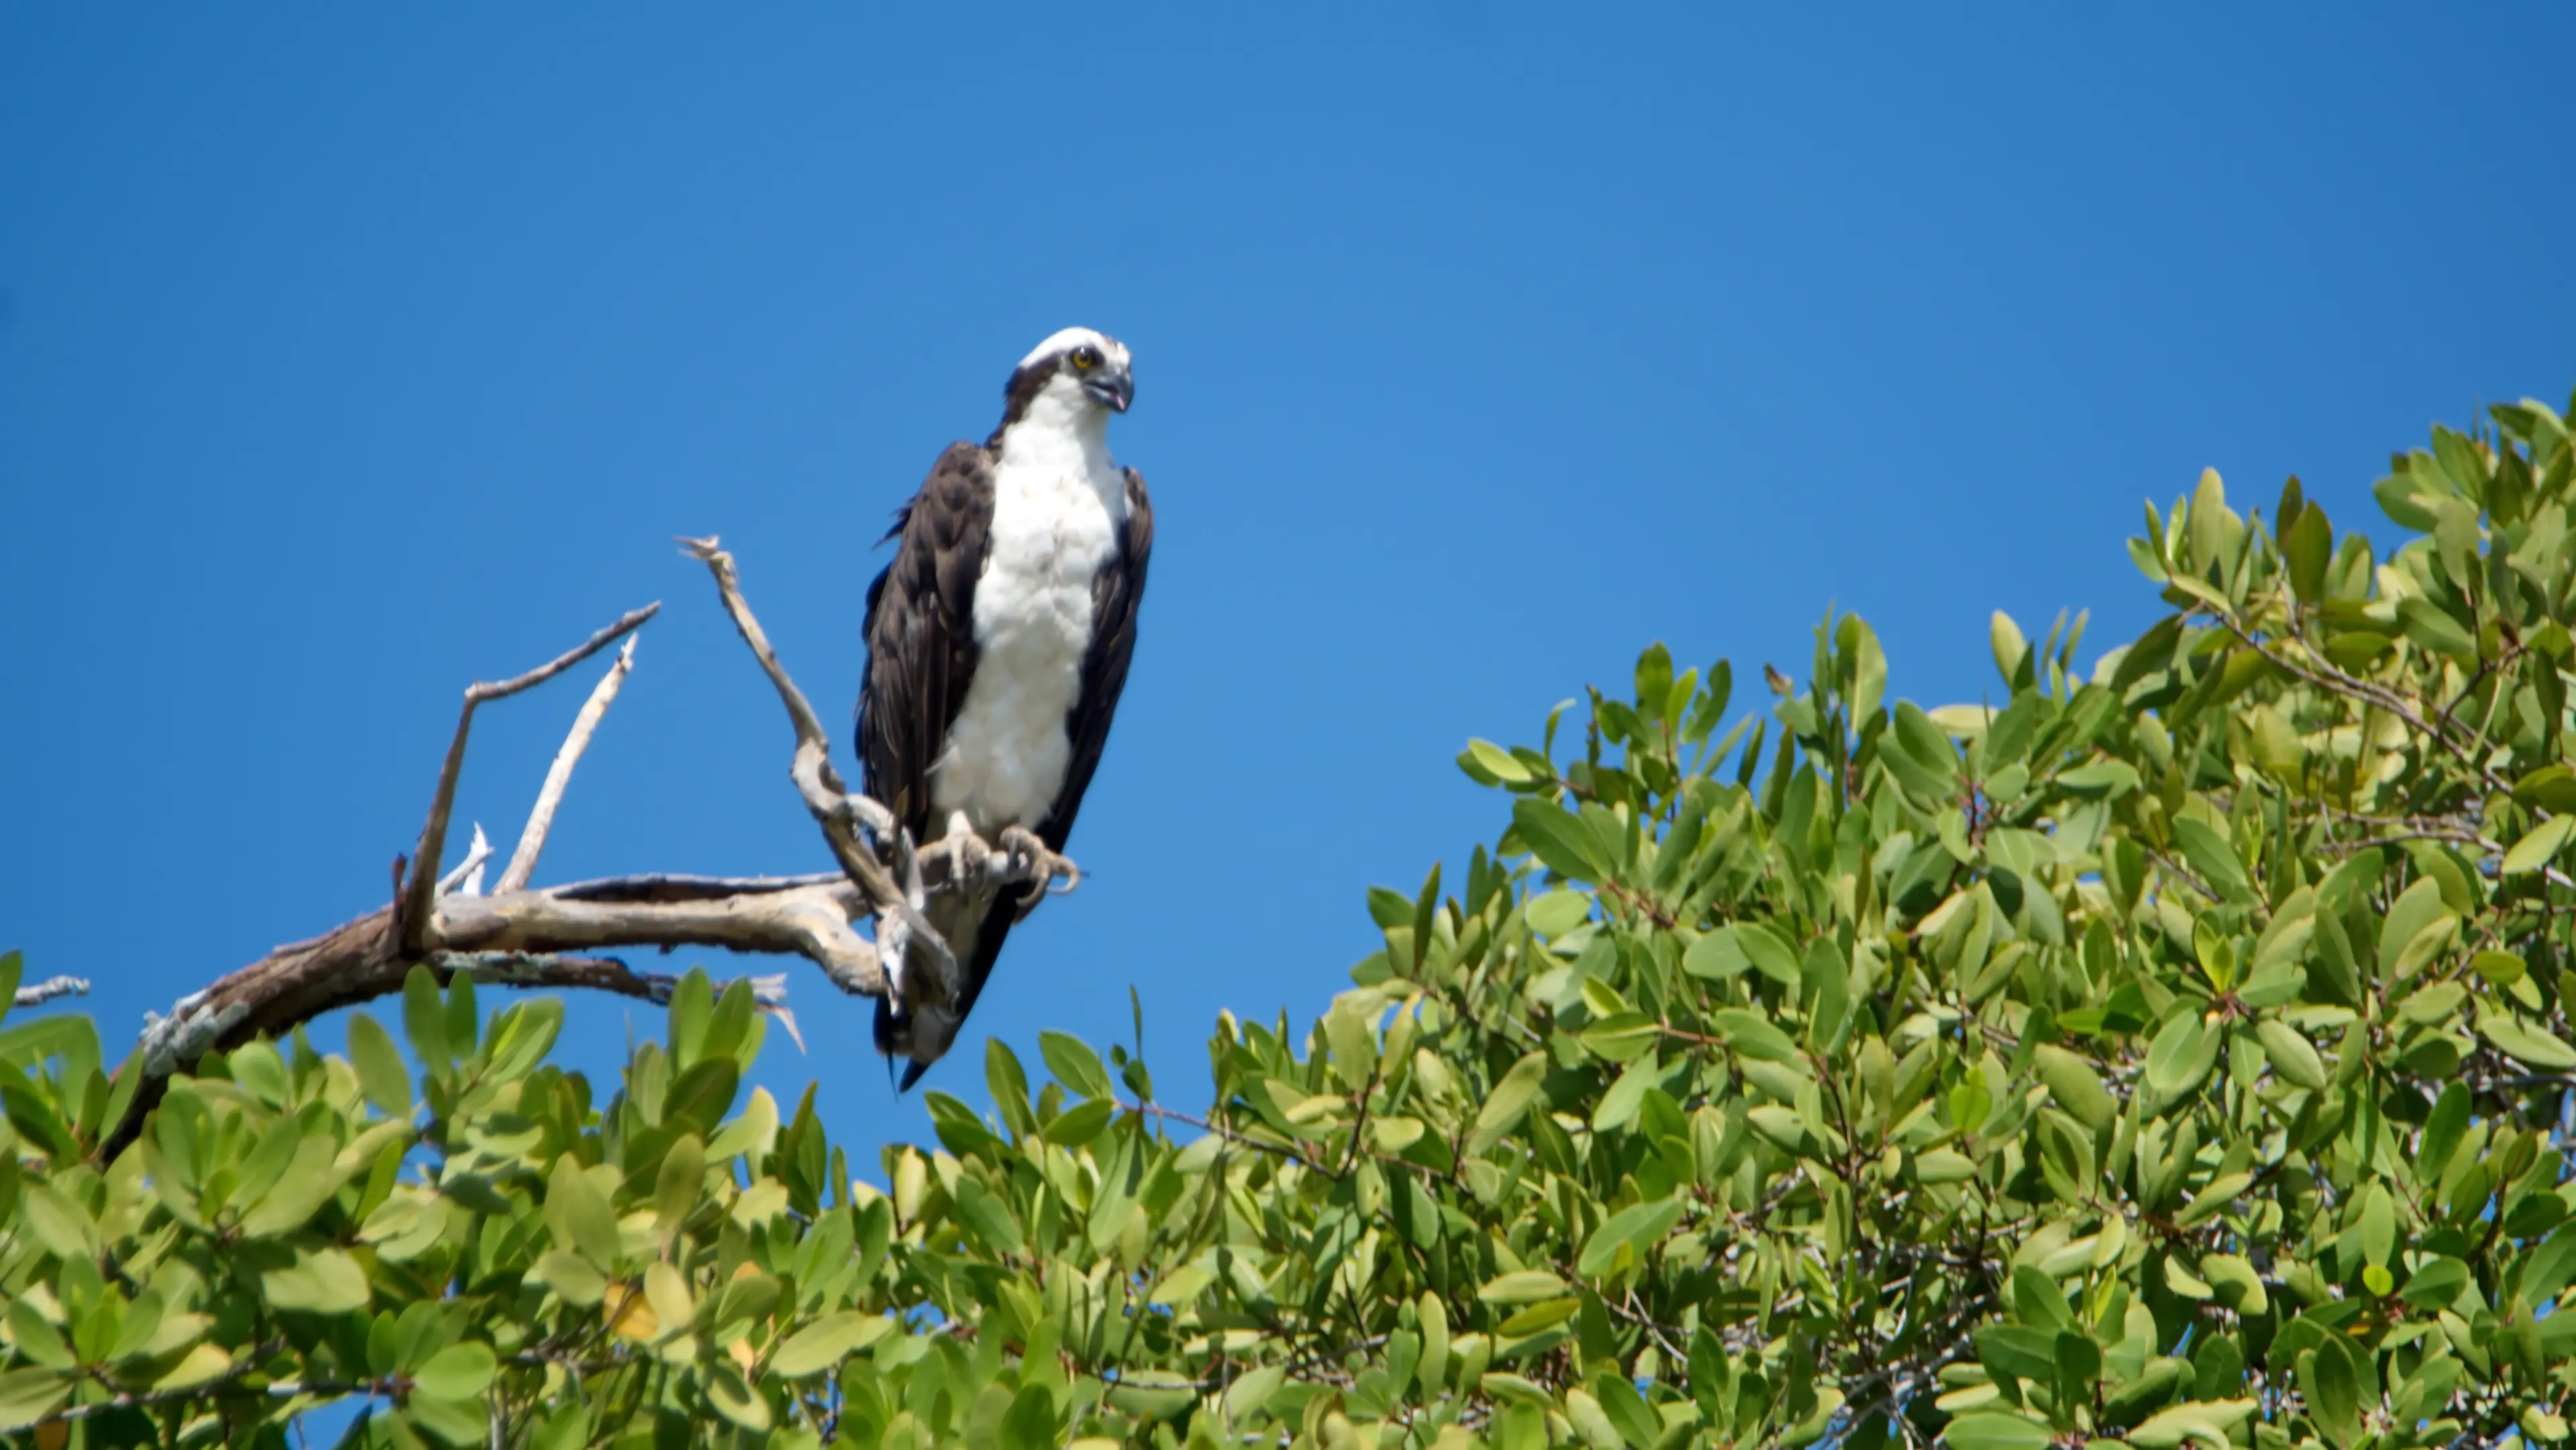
[(419, 892), (467, 877), (532, 841), (50, 988)]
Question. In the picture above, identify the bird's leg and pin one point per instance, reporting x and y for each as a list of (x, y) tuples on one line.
[(971, 860)]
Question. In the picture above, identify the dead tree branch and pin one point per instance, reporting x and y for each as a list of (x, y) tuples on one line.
[(38, 993), (532, 841), (838, 812), (422, 888), (561, 936)]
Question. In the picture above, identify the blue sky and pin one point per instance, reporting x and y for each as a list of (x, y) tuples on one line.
[(350, 354)]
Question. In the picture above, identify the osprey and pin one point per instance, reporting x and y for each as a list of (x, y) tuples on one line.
[(998, 641)]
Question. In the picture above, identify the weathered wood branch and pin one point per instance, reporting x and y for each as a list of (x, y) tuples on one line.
[(839, 813), (559, 937), (38, 993), (416, 896), (532, 841)]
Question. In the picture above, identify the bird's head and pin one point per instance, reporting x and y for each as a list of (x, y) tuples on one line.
[(1085, 374)]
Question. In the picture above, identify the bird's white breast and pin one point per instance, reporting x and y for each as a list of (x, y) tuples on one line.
[(1059, 506)]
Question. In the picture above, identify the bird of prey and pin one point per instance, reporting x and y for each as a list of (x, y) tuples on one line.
[(998, 642)]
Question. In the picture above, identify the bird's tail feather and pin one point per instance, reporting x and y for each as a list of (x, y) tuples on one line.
[(973, 931)]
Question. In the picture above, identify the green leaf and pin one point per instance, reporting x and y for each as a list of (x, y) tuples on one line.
[(1752, 1037), (2232, 1279), (2038, 1300), (1618, 1107), (578, 1215), (2021, 1351), (60, 1224), (1508, 1102), (733, 1396), (2333, 1387), (2292, 1055), (827, 1341), (2442, 1129), (2550, 1266), (1716, 956), (2210, 855), (2073, 1083), (458, 1372), (2523, 1042), (1640, 1225), (29, 1395), (2540, 845), (1558, 912), (309, 1182), (679, 1183), (1489, 764), (1560, 840), (1080, 1123), (37, 1339), (2436, 1283), (425, 1022), (1522, 1286), (1769, 951), (1654, 678), (2204, 1422), (1075, 1065), (1032, 1423), (2428, 625), (2102, 780), (381, 1075), (320, 1281), (747, 1300), (569, 1275), (1622, 1036), (2008, 644), (989, 1214), (2305, 547), (2221, 1191), (2176, 1060), (1987, 1430)]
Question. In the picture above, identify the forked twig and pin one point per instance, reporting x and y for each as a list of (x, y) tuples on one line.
[(420, 891)]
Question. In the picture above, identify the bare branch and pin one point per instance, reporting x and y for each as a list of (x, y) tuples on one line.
[(600, 974), (676, 886), (520, 938), (813, 922), (553, 937), (420, 891), (532, 841), (468, 875), (50, 988), (833, 807)]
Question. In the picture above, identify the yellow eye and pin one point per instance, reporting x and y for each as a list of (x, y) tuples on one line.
[(1085, 357)]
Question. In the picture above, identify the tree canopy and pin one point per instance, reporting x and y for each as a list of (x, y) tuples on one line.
[(2166, 1051)]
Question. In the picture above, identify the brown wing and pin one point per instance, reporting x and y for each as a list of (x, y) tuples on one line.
[(1115, 595), (921, 632)]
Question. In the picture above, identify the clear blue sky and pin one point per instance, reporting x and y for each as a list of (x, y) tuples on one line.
[(348, 354)]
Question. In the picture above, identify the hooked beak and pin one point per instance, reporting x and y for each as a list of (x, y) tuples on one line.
[(1115, 389)]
